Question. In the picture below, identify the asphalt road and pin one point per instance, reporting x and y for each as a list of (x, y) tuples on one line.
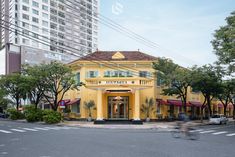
[(35, 140)]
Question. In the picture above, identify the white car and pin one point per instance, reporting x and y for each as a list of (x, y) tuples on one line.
[(218, 119)]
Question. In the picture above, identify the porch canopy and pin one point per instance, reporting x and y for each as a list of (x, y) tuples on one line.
[(195, 103), (176, 102), (75, 101)]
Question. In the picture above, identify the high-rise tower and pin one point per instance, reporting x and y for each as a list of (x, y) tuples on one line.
[(36, 31)]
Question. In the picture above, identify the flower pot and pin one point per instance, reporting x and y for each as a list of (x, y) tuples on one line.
[(147, 119), (89, 119)]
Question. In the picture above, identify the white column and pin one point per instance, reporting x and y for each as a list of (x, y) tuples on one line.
[(99, 105), (137, 105)]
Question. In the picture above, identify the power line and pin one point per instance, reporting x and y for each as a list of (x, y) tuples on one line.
[(137, 37), (46, 43), (122, 30), (124, 67)]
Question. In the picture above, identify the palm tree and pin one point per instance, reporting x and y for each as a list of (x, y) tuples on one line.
[(89, 106), (147, 108)]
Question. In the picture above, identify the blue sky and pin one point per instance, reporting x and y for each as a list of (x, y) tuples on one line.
[(182, 29)]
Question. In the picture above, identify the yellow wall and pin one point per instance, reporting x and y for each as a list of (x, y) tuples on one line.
[(89, 92)]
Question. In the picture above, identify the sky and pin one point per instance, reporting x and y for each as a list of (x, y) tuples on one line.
[(181, 29)]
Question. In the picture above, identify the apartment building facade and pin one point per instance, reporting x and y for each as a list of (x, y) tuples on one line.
[(61, 30)]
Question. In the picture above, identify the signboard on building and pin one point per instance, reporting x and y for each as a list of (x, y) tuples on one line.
[(117, 82)]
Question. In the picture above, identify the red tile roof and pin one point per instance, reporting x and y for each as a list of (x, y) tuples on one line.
[(107, 56)]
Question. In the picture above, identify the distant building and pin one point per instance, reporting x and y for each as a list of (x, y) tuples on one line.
[(47, 30)]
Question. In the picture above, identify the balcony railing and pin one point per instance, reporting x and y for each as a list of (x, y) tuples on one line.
[(119, 82)]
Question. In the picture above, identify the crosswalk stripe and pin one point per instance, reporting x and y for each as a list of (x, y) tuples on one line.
[(233, 134), (18, 130), (40, 128), (66, 128), (196, 130), (208, 131), (218, 133), (29, 129), (4, 131), (53, 128)]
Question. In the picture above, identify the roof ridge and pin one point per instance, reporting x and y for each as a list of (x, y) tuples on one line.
[(107, 56)]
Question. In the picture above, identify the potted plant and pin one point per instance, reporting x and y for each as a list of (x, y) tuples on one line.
[(147, 108), (89, 106)]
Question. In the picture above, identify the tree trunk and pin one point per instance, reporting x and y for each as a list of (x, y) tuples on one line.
[(17, 103), (185, 100), (225, 109), (233, 111), (37, 101), (201, 114), (209, 105), (55, 103)]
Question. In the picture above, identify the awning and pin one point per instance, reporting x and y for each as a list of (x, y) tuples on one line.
[(228, 106), (195, 103), (176, 102), (75, 101), (162, 102)]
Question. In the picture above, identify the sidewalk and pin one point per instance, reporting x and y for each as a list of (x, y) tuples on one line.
[(163, 126)]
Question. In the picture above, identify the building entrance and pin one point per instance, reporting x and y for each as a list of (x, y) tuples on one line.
[(118, 107)]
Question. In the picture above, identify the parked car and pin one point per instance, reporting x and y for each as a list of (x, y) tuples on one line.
[(218, 119)]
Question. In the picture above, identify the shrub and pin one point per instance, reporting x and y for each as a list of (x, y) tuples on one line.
[(33, 114), (51, 117), (14, 114)]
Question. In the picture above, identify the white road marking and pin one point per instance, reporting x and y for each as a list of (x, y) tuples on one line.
[(218, 133), (66, 128), (4, 153), (18, 130), (4, 131), (208, 131), (233, 134), (40, 128), (196, 130), (53, 128), (29, 129)]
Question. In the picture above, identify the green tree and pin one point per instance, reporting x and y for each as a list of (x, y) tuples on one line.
[(58, 79), (147, 108), (16, 86), (225, 92), (206, 79), (36, 80), (232, 96), (4, 101), (223, 43), (175, 78)]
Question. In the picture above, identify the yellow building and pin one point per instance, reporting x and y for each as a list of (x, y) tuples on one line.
[(119, 83)]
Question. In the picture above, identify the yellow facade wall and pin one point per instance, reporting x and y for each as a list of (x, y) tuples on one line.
[(89, 91)]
